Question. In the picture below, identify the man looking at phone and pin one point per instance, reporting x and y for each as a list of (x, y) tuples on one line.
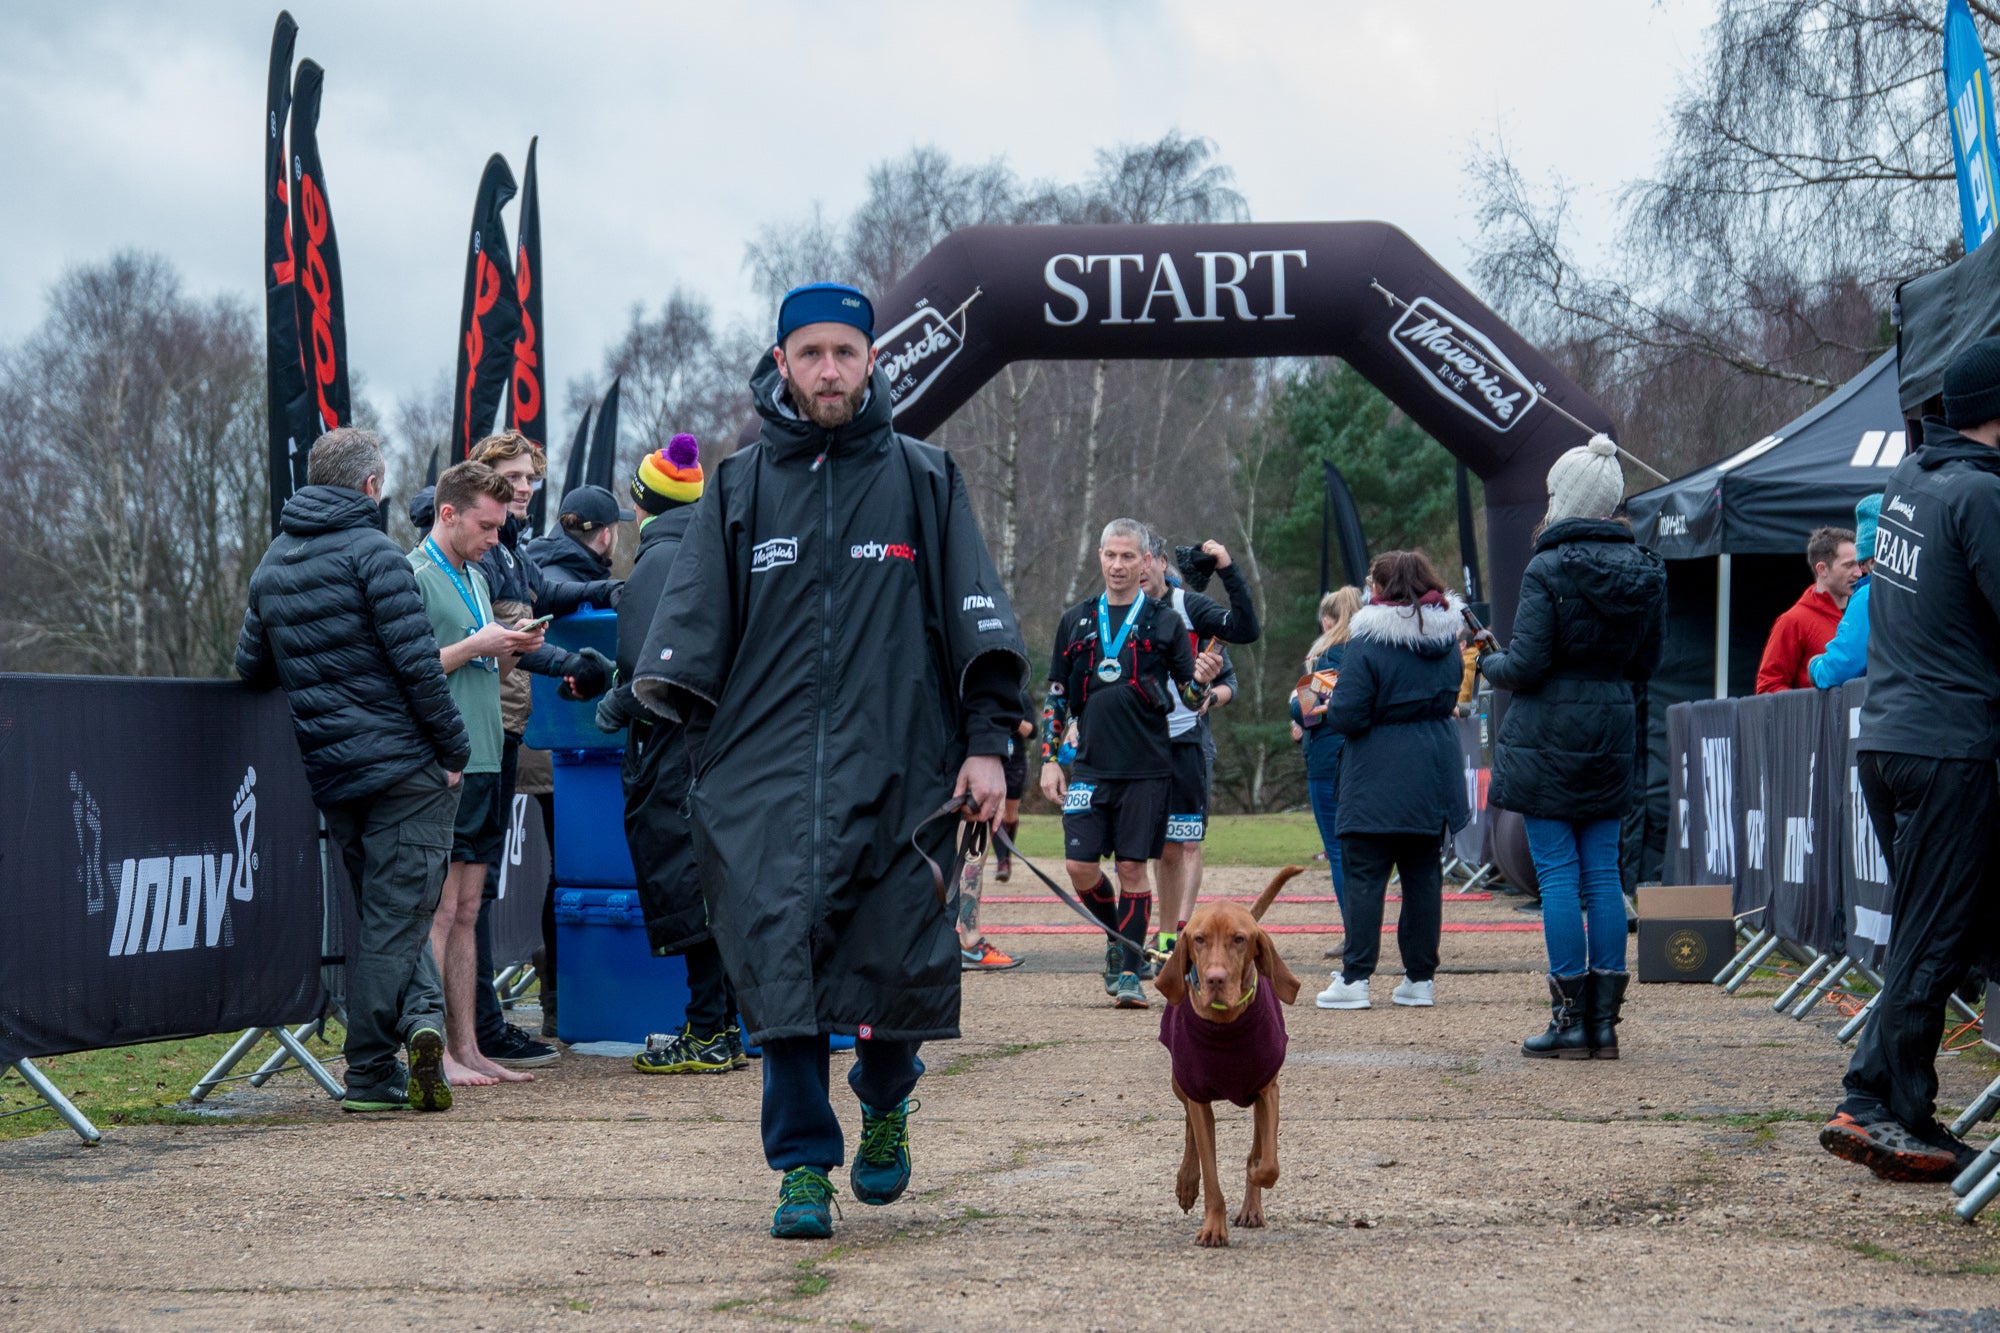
[(472, 504), (336, 620)]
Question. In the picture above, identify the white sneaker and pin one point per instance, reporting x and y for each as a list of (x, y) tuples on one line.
[(1416, 994), (1344, 994)]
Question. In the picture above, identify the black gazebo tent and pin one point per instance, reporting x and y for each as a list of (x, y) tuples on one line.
[(1734, 537)]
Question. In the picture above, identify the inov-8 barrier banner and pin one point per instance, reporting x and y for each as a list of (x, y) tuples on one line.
[(159, 863)]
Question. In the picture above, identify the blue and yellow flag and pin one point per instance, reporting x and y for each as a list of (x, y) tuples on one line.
[(1970, 95)]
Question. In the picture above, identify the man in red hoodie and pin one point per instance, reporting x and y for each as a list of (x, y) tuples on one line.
[(1803, 631)]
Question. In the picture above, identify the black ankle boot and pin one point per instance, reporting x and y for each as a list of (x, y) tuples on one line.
[(1565, 1038), (1603, 997)]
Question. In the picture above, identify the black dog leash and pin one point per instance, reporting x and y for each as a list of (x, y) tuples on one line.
[(972, 840)]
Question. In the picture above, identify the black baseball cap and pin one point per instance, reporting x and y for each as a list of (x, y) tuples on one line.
[(597, 507)]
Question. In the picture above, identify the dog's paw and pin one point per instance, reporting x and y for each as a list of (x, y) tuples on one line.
[(1187, 1188), (1250, 1215), (1214, 1234)]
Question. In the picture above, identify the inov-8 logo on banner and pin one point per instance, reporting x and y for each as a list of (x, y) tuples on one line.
[(171, 899)]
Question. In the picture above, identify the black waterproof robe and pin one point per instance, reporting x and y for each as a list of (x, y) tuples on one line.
[(835, 634)]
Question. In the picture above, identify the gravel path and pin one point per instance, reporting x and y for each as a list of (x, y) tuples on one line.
[(1432, 1179)]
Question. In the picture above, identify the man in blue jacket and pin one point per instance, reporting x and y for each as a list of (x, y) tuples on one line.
[(1846, 656)]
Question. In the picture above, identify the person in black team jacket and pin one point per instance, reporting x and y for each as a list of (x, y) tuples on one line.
[(1120, 660), (1930, 732), (1591, 621), (1401, 786), (664, 491), (835, 636), (336, 620)]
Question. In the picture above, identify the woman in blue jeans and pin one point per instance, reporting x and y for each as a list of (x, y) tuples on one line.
[(1589, 625), (1320, 744)]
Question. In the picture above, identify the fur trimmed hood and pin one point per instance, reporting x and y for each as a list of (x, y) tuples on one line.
[(1431, 632)]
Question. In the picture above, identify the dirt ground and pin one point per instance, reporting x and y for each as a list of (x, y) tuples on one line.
[(1432, 1178)]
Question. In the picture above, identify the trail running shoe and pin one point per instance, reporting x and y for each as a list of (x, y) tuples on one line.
[(1129, 995), (738, 1057), (1890, 1150), (684, 1053), (1114, 963), (1003, 869), (881, 1169), (983, 957), (805, 1199), (517, 1050), (430, 1090), (375, 1101)]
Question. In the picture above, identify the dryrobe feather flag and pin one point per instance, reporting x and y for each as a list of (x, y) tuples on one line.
[(1342, 518), (1969, 95), (286, 399), (578, 449), (322, 312), (488, 319), (527, 411), (603, 464)]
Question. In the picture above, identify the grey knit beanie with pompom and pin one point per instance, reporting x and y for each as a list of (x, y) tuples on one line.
[(1586, 482)]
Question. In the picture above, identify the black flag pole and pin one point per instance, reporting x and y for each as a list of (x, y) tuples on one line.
[(317, 296), (489, 316), (1345, 520), (1468, 538), (284, 375), (579, 449), (603, 463), (527, 409)]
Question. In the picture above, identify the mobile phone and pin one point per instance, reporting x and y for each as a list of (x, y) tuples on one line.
[(535, 624)]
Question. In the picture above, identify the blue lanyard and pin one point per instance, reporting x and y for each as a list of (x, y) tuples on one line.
[(458, 582), (1112, 647)]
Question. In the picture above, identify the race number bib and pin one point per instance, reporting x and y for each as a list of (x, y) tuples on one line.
[(1185, 828), (1077, 799)]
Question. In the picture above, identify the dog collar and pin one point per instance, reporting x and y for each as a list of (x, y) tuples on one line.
[(1248, 995)]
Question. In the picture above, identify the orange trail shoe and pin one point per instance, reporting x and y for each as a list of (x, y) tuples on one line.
[(983, 957), (1888, 1149)]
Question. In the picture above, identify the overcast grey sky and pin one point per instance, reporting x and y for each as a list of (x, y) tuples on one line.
[(671, 132)]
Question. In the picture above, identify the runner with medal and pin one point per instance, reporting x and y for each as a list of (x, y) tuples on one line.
[(1120, 660)]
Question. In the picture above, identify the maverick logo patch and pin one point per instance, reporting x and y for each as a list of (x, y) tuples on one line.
[(915, 352), (1462, 365), (1686, 950), (769, 555)]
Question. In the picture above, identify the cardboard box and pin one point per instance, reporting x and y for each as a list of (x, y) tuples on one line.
[(1686, 931)]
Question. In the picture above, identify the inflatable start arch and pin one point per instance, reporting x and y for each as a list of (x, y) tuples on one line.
[(1362, 291)]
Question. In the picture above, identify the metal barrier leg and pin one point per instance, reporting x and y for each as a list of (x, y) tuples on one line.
[(1859, 1021), (1804, 979), (524, 981), (1834, 976), (1755, 942), (1765, 950), (220, 1071), (280, 1057), (58, 1103), (308, 1063), (1982, 1108), (1965, 1011), (1982, 1166), (1978, 1196)]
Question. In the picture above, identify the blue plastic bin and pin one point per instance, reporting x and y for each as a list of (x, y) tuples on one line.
[(590, 820), (560, 724), (612, 987)]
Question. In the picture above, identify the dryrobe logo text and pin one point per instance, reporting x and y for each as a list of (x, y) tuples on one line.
[(880, 551), (1462, 365), (915, 352), (767, 556), (172, 900)]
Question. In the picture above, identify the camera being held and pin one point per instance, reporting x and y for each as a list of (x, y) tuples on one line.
[(1198, 564)]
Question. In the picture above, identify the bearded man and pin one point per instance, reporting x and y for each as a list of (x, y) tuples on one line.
[(835, 638)]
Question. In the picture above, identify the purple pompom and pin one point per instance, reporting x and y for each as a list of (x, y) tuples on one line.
[(684, 451)]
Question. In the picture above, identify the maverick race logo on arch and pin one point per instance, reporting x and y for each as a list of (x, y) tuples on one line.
[(1462, 365), (170, 898)]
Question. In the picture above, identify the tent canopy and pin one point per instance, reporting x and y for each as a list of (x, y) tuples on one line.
[(1939, 313), (1768, 498)]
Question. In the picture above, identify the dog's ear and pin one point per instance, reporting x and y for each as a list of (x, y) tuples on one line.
[(1172, 980), (1274, 970)]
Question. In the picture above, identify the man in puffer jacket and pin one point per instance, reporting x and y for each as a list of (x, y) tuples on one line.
[(336, 620)]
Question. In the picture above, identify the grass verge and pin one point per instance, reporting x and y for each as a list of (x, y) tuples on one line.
[(1233, 840)]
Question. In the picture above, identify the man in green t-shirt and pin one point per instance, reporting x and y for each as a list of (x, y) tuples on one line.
[(471, 507)]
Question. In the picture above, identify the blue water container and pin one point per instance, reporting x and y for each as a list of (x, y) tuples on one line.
[(612, 987), (561, 724), (590, 820)]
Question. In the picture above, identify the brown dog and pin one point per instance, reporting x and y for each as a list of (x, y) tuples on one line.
[(1226, 1033)]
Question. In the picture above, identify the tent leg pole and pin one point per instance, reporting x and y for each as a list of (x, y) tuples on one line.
[(1722, 584)]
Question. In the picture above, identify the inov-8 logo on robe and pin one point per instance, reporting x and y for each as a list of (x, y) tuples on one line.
[(1462, 365), (174, 899)]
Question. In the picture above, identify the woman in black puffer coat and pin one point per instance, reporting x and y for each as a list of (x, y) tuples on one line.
[(1401, 786), (1589, 625)]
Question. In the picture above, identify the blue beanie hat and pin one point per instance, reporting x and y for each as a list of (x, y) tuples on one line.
[(825, 303), (1864, 526)]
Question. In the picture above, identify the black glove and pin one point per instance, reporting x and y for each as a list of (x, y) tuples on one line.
[(586, 675), (603, 593), (616, 709)]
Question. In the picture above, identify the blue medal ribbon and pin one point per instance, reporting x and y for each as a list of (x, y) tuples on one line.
[(1110, 646), (465, 595)]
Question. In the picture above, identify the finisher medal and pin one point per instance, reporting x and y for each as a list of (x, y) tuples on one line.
[(1109, 670)]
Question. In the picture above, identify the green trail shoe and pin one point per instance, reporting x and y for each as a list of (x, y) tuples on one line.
[(881, 1170), (1130, 994), (738, 1057), (374, 1102), (1114, 963), (684, 1053), (430, 1090), (805, 1199)]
